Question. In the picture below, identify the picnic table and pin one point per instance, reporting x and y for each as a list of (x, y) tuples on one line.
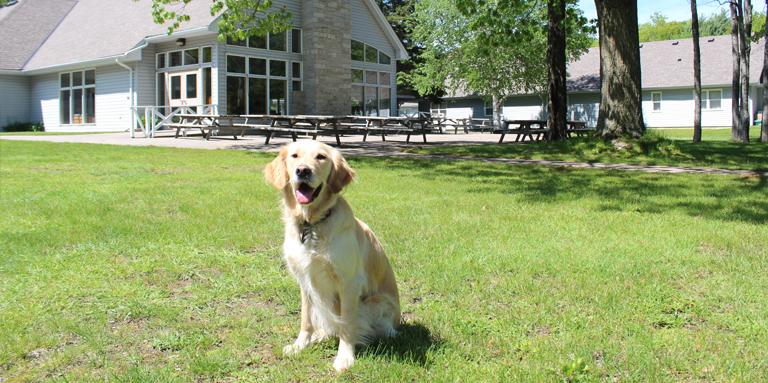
[(525, 128), (302, 124), (578, 128), (388, 124), (206, 123)]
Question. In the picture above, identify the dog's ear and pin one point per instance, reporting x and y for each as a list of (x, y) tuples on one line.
[(342, 174), (275, 172)]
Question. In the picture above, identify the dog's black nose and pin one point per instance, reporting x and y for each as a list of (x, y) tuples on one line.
[(303, 172)]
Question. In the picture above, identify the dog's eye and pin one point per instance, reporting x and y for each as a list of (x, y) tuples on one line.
[(294, 155), (320, 157)]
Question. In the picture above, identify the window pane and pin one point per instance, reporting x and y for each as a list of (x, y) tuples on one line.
[(371, 78), (296, 70), (235, 64), (257, 42), (90, 105), (191, 56), (161, 61), (175, 87), (64, 100), (277, 41), (357, 76), (77, 106), (65, 80), (371, 103), (90, 77), (296, 86), (191, 86), (174, 58), (208, 100), (371, 54), (384, 102), (296, 40), (277, 68), (384, 78), (358, 51), (257, 66), (77, 78), (357, 100), (715, 99), (235, 95), (231, 41), (161, 90), (277, 99), (257, 96), (384, 59), (207, 54)]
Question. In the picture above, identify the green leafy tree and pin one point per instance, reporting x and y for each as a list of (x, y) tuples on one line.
[(492, 48), (239, 18), (717, 24)]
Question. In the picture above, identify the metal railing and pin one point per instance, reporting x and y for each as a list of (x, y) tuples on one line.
[(150, 118)]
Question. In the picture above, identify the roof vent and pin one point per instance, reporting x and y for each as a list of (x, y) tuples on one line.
[(711, 39), (679, 59), (675, 42)]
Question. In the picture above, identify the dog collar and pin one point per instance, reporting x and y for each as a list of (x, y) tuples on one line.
[(308, 229)]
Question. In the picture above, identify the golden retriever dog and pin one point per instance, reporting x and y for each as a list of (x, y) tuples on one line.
[(347, 286)]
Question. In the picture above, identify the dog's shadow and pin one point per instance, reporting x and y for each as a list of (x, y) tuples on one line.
[(411, 345)]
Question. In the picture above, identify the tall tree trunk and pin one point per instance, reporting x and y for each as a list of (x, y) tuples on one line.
[(736, 73), (764, 78), (558, 96), (696, 73), (498, 112), (621, 111), (745, 34)]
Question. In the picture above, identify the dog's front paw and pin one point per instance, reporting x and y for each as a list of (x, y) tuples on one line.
[(292, 349), (343, 362)]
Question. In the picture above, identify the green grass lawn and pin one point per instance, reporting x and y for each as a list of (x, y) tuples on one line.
[(150, 264), (658, 147)]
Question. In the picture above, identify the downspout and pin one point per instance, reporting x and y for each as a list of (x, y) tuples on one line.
[(132, 102)]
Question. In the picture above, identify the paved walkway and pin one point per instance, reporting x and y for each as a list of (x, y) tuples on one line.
[(375, 147)]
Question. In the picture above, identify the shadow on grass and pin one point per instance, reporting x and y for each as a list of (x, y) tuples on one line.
[(708, 196), (411, 345)]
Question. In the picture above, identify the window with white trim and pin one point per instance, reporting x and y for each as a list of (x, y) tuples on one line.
[(77, 97), (711, 99), (371, 92), (488, 107), (271, 41), (256, 85), (656, 101)]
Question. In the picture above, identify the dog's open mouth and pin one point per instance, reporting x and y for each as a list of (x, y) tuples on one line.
[(305, 194)]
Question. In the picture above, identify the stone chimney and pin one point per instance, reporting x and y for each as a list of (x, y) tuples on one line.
[(327, 32)]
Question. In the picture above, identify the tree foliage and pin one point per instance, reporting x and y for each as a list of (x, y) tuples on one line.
[(717, 24), (493, 48), (239, 18)]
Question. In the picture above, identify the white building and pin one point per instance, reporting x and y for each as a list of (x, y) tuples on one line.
[(81, 65), (667, 79)]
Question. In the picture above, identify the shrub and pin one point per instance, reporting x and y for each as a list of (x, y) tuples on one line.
[(24, 127)]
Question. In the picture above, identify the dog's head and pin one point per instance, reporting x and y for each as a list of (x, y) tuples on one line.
[(310, 169)]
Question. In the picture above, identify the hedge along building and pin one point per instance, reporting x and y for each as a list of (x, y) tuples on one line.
[(667, 81), (81, 65)]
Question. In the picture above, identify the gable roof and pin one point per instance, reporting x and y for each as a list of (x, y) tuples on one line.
[(669, 64), (98, 29), (25, 26), (400, 52)]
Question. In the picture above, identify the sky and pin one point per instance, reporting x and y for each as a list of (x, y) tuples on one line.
[(676, 10)]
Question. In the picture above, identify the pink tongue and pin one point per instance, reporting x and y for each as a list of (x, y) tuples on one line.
[(304, 195)]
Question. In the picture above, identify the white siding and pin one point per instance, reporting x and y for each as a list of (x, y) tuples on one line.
[(112, 101), (145, 77), (14, 100), (523, 108), (677, 109)]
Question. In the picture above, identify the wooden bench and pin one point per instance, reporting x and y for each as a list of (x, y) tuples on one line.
[(578, 128), (525, 129)]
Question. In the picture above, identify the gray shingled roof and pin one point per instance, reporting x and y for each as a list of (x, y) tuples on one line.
[(669, 64), (96, 29), (25, 26)]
